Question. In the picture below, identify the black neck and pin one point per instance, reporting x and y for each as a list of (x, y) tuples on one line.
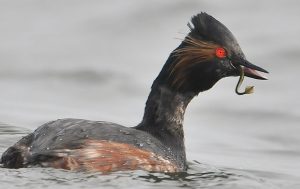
[(164, 111), (165, 108), (164, 115), (166, 104)]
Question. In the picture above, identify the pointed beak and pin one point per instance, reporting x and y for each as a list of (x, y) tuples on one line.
[(251, 70)]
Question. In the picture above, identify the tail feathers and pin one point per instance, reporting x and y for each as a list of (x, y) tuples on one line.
[(12, 158), (16, 155)]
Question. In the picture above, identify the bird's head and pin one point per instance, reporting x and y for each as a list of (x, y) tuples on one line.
[(208, 53)]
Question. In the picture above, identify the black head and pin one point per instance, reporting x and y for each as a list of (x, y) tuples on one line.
[(207, 54)]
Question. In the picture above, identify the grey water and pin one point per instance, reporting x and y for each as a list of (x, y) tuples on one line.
[(97, 59)]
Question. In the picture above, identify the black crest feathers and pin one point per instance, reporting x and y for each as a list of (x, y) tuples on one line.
[(207, 28)]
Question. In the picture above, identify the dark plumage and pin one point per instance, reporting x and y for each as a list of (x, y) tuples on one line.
[(208, 28), (207, 54)]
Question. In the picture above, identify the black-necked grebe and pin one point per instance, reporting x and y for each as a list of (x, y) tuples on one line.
[(208, 53)]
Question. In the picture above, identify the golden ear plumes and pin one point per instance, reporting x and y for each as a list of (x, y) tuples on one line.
[(195, 52)]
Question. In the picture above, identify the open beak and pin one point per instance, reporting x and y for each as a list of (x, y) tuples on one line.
[(251, 70)]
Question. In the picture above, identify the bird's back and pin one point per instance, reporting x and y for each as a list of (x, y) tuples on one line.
[(78, 144)]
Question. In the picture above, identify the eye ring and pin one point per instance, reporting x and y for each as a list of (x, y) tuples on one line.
[(220, 52)]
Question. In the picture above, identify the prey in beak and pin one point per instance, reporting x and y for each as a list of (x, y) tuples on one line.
[(245, 68)]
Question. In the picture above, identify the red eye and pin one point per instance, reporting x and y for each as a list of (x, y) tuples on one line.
[(221, 52)]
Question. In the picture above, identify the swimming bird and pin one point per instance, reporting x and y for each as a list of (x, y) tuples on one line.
[(207, 54)]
